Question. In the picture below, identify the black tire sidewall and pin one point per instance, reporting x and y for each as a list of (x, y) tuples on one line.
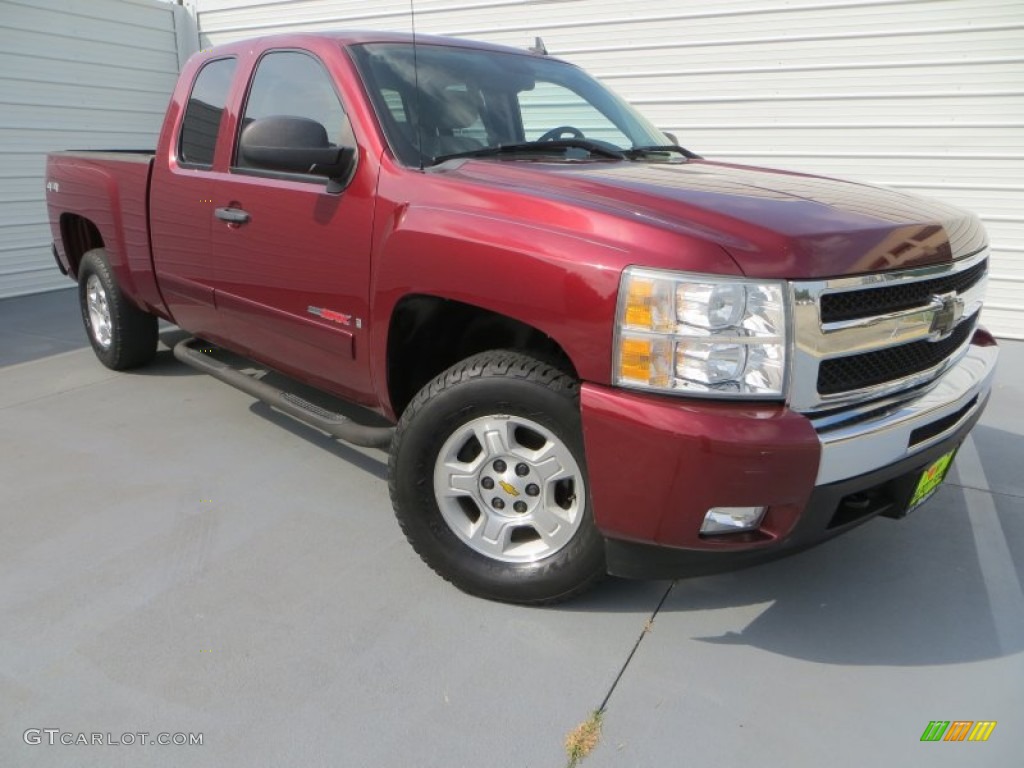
[(418, 444), (132, 331), (94, 263)]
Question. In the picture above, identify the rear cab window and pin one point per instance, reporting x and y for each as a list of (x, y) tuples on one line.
[(204, 112)]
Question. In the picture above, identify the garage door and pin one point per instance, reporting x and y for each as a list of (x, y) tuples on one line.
[(73, 75)]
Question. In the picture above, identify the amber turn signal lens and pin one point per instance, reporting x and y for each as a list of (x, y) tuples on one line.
[(645, 361), (638, 303), (635, 359)]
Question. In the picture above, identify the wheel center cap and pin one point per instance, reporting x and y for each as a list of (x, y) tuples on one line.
[(508, 488)]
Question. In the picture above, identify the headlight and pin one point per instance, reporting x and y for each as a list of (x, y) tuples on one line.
[(701, 335)]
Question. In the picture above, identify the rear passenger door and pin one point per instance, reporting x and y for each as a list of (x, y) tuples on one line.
[(181, 202), (292, 279)]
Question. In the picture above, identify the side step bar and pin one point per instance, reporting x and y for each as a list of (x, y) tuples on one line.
[(334, 424)]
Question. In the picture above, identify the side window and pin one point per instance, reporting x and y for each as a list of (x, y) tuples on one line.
[(550, 105), (288, 83), (204, 111)]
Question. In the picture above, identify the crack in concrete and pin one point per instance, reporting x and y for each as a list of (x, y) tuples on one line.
[(576, 756), (648, 624), (989, 491)]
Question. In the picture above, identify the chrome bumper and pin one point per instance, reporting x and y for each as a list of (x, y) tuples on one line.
[(881, 440)]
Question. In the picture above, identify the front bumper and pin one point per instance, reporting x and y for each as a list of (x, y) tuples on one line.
[(656, 465)]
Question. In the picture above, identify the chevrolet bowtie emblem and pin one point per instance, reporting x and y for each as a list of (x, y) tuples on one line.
[(949, 308), (508, 488)]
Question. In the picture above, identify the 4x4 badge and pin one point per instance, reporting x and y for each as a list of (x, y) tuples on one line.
[(949, 308)]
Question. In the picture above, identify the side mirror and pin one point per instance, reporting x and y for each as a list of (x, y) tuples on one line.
[(296, 145)]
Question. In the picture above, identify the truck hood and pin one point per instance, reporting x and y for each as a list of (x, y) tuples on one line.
[(774, 224)]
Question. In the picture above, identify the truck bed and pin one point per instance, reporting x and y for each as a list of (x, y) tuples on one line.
[(110, 188)]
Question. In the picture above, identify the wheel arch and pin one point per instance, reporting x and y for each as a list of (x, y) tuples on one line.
[(79, 235), (423, 327)]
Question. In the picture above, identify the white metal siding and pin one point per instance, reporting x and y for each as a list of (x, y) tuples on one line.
[(923, 95), (73, 75)]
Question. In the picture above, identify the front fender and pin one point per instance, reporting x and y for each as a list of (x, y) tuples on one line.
[(560, 283)]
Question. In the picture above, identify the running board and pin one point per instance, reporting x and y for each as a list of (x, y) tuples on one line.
[(334, 424)]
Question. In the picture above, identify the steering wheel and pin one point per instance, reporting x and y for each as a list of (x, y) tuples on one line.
[(556, 133)]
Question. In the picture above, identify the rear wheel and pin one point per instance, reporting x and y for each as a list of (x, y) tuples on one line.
[(121, 334), (489, 483)]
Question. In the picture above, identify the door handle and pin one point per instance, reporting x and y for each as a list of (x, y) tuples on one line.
[(232, 215)]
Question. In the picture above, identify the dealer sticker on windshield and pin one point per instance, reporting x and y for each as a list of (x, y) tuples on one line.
[(931, 479)]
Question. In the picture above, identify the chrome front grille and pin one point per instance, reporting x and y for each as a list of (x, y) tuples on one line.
[(868, 338), (870, 369), (853, 305)]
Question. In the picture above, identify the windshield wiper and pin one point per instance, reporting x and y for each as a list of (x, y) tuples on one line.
[(526, 147), (658, 149)]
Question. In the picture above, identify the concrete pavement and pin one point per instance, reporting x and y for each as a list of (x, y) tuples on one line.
[(176, 558)]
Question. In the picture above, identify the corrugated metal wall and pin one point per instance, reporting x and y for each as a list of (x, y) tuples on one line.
[(923, 95), (73, 75)]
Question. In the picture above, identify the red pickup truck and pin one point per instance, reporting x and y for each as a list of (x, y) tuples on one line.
[(587, 349)]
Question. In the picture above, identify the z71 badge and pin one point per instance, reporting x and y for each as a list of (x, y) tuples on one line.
[(334, 317)]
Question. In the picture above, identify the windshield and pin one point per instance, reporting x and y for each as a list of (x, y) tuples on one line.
[(469, 100)]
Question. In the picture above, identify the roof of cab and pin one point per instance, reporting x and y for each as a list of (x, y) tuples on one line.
[(346, 37)]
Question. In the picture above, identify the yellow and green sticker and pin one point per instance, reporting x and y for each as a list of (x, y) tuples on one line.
[(931, 478)]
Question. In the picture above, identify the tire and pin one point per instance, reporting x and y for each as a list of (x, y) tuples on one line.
[(121, 334), (489, 483)]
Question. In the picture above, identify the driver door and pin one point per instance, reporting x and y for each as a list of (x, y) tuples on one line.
[(292, 259)]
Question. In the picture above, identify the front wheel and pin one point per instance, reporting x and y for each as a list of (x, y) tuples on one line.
[(489, 483)]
